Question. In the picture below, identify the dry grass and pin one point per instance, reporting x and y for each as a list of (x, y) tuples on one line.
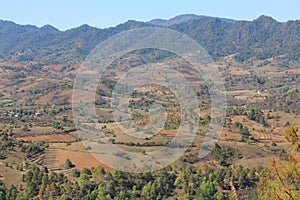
[(49, 138), (10, 176), (76, 153)]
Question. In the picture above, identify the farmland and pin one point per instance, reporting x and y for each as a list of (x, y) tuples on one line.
[(64, 138)]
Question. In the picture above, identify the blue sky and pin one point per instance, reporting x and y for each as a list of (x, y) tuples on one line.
[(65, 14)]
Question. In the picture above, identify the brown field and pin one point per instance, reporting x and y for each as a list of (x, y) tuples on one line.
[(34, 131), (49, 138), (228, 135), (238, 71), (53, 67), (62, 146), (76, 152), (80, 159), (29, 85), (10, 175), (254, 155), (283, 118), (56, 97)]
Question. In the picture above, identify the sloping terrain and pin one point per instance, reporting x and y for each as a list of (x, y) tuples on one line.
[(261, 38)]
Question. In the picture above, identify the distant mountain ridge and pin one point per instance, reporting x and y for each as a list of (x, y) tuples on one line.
[(27, 42), (182, 18), (261, 38)]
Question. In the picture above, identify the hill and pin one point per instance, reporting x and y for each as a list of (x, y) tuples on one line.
[(44, 155), (182, 18), (261, 38), (30, 43)]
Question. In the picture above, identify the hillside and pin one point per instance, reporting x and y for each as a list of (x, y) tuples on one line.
[(30, 43), (45, 153), (261, 38)]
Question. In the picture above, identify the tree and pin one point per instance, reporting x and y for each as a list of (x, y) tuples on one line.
[(86, 171), (291, 135), (75, 173), (69, 164), (146, 190), (83, 180), (207, 189), (177, 181), (219, 196), (282, 179)]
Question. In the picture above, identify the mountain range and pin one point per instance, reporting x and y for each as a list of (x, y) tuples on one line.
[(182, 18), (261, 38)]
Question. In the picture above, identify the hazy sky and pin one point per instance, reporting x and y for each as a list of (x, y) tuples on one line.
[(65, 14)]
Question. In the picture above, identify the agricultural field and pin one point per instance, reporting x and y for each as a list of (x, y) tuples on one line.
[(39, 109), (54, 146)]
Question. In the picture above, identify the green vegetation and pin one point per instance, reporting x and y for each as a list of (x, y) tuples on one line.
[(220, 37), (261, 75), (258, 116), (238, 127), (224, 155), (69, 164), (282, 179), (102, 184)]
